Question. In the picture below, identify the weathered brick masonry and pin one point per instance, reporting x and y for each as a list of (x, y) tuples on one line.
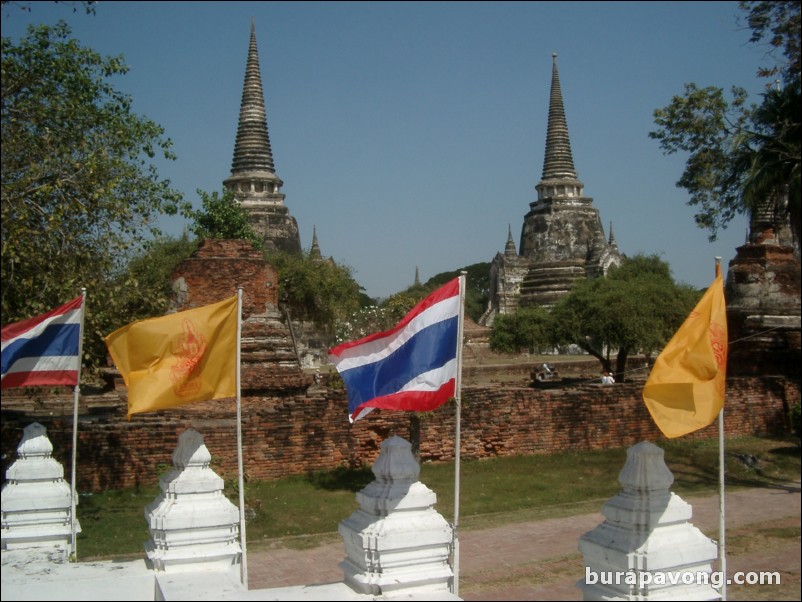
[(217, 268), (300, 433)]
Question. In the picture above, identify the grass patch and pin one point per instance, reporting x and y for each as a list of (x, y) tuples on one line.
[(761, 537), (113, 523), (305, 510)]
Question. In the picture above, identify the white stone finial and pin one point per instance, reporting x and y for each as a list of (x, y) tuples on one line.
[(36, 500), (645, 469), (645, 538), (396, 464), (396, 543), (193, 526), (191, 450), (34, 442)]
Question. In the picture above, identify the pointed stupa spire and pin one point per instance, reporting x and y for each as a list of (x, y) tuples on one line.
[(252, 149), (314, 252), (559, 182), (253, 178), (558, 162), (510, 248), (612, 245)]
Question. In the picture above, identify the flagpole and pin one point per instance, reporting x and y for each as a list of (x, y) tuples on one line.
[(722, 528), (76, 397), (722, 524), (458, 420), (244, 565)]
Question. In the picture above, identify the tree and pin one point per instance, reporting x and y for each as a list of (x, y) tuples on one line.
[(222, 217), (636, 308), (742, 157), (148, 276), (477, 290), (477, 287), (140, 289), (527, 328), (767, 158), (79, 191), (315, 290), (780, 23), (89, 7)]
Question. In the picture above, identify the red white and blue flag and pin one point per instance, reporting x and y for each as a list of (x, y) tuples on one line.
[(44, 350), (412, 366)]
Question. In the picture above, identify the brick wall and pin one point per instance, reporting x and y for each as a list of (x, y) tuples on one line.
[(299, 433), (215, 270)]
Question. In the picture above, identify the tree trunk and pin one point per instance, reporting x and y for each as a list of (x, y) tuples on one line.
[(621, 365), (414, 435)]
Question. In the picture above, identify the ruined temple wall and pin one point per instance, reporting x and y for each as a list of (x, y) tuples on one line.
[(299, 433), (216, 269), (763, 311)]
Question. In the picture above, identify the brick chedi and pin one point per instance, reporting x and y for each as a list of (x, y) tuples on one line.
[(562, 238), (253, 179), (269, 358), (763, 299)]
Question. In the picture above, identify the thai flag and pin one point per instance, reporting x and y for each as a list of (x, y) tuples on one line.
[(44, 350), (411, 367)]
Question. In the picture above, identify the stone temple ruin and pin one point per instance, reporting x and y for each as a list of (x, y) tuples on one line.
[(562, 238)]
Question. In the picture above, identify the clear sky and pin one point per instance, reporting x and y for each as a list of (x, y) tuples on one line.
[(411, 134)]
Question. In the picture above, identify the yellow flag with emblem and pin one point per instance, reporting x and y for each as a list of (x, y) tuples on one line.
[(686, 388), (179, 358)]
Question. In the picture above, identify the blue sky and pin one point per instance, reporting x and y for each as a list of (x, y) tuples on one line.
[(411, 134)]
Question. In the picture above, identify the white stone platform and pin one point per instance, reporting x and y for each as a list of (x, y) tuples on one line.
[(33, 575)]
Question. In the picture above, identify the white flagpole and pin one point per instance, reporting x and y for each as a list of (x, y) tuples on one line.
[(243, 543), (722, 524), (76, 397), (457, 444)]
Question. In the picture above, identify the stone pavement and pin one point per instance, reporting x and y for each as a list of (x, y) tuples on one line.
[(540, 560)]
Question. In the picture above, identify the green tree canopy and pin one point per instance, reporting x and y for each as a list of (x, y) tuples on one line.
[(477, 291), (222, 217), (743, 158), (148, 276), (477, 287), (79, 190), (315, 290), (636, 308), (528, 328)]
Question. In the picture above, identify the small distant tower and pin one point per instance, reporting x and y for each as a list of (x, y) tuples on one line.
[(509, 249), (253, 178), (314, 252)]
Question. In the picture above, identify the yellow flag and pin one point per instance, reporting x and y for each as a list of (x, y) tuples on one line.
[(686, 388), (179, 358)]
